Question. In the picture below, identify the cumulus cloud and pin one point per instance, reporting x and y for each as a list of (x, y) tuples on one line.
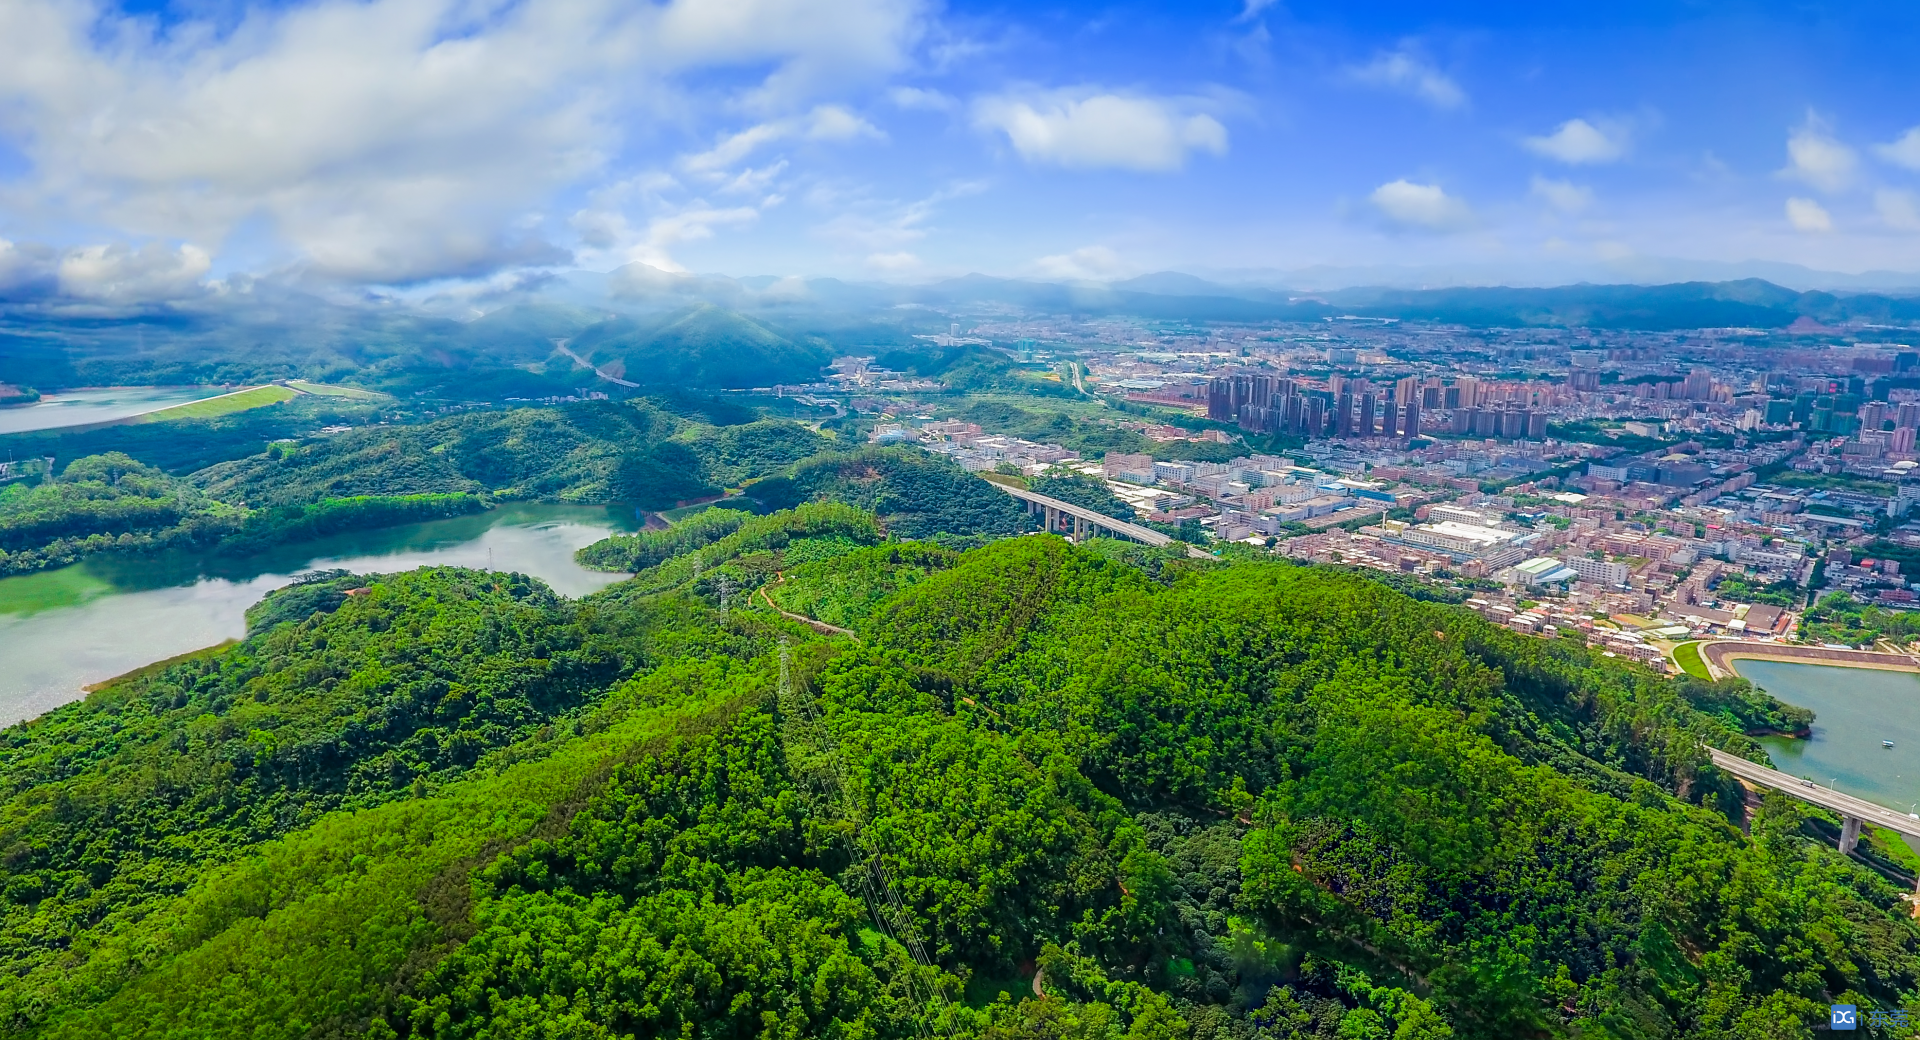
[(1089, 129), (1565, 196), (1578, 141), (1816, 157), (1808, 216), (105, 273), (1903, 150), (1423, 206), (1410, 72), (1900, 210), (392, 140), (1086, 264)]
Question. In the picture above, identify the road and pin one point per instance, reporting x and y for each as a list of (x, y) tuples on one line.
[(1826, 798), (561, 346), (1719, 655), (1102, 520)]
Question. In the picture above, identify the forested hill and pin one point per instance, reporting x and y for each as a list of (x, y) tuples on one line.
[(1201, 801)]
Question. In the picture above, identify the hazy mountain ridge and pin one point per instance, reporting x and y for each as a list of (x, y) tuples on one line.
[(716, 332)]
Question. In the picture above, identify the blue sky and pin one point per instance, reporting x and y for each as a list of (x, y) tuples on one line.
[(159, 146)]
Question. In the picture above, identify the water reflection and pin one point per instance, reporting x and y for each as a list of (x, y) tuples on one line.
[(64, 629)]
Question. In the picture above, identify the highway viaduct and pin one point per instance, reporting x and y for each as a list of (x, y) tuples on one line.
[(1079, 522), (1854, 812)]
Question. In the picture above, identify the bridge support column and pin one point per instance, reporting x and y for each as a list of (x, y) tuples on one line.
[(1079, 530), (1849, 834)]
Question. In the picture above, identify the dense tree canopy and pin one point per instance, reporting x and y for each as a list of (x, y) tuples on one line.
[(1185, 800)]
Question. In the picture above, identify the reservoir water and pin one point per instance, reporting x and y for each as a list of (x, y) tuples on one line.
[(1855, 709), (61, 630), (97, 404)]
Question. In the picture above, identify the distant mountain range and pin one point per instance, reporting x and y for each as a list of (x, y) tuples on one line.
[(654, 328)]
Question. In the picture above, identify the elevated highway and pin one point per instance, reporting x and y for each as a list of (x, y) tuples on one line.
[(1853, 811), (1079, 522)]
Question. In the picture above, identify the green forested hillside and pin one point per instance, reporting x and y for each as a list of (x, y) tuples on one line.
[(704, 346), (379, 475), (1218, 802)]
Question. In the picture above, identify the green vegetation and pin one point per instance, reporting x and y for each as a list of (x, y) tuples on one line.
[(113, 504), (225, 404), (1687, 656), (10, 395), (1739, 704), (637, 552), (1086, 492), (102, 503), (704, 346), (278, 525), (182, 446), (1907, 556), (1838, 618), (916, 495), (1834, 482), (324, 390), (1778, 594), (592, 452), (1219, 801)]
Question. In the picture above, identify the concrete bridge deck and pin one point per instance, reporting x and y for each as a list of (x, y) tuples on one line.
[(1854, 811), (1083, 519)]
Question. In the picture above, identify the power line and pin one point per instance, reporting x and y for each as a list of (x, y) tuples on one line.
[(801, 725)]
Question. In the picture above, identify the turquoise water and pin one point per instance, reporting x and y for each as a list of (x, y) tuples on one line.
[(99, 404), (61, 630), (1855, 709)]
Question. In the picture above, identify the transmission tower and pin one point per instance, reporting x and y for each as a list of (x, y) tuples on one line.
[(813, 754)]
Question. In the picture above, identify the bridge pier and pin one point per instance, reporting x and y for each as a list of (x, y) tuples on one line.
[(1849, 833)]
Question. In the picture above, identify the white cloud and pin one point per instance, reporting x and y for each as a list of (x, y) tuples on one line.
[(1087, 129), (1421, 205), (106, 273), (1565, 196), (883, 229), (1903, 150), (1808, 216), (824, 123), (1411, 73), (1899, 209), (1252, 9), (392, 140), (1816, 157), (893, 263), (1086, 264), (915, 98), (1578, 141)]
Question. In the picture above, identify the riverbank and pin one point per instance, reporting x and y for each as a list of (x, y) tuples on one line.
[(1719, 655), (64, 630)]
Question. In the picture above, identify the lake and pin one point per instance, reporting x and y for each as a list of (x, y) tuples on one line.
[(1855, 709), (61, 630), (97, 404)]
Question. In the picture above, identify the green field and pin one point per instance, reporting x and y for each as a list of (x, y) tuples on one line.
[(225, 404), (1687, 656), (324, 390)]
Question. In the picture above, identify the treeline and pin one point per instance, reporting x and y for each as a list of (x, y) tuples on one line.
[(114, 504), (1225, 801), (654, 456)]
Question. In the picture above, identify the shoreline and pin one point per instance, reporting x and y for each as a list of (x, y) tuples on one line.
[(1718, 656)]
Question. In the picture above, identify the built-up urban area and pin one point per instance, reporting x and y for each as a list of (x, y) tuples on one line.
[(1634, 489)]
